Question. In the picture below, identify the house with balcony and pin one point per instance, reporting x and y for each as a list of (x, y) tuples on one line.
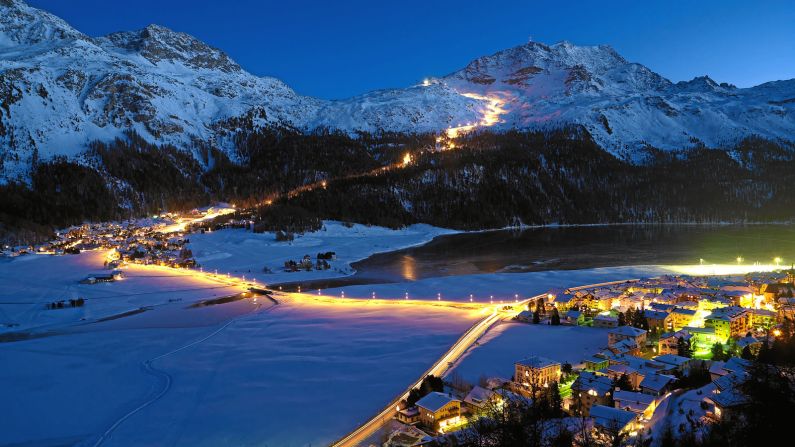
[(439, 410)]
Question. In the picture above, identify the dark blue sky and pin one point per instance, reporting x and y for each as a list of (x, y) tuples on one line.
[(337, 48)]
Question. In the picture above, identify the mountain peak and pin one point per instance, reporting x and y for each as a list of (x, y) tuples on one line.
[(24, 25), (157, 43)]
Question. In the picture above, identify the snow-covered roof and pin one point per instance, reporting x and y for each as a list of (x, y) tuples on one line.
[(633, 401), (672, 359), (611, 418), (656, 382), (627, 331), (655, 314), (478, 396), (729, 398), (535, 361), (592, 381), (736, 364), (435, 400)]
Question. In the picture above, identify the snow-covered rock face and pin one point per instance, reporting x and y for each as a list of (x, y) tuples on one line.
[(60, 89)]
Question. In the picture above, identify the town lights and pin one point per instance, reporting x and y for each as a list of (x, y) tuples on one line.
[(776, 332), (407, 159)]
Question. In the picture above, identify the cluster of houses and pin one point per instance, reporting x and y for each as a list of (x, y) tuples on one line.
[(703, 310), (306, 263), (133, 242), (619, 388)]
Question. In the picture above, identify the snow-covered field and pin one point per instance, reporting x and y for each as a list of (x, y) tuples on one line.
[(297, 373), (242, 252), (510, 342), (29, 282)]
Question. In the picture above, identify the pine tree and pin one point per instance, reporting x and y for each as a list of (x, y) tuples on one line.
[(555, 401), (536, 317), (683, 348), (747, 354), (555, 317), (621, 319), (623, 383), (718, 353)]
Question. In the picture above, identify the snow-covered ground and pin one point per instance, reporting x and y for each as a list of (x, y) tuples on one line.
[(297, 373), (509, 342), (29, 282), (242, 252)]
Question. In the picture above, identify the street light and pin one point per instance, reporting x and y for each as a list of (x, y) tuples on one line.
[(739, 259), (777, 260)]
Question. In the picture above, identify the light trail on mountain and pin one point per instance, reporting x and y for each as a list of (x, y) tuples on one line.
[(494, 108)]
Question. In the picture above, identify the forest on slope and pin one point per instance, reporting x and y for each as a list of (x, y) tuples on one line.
[(490, 180)]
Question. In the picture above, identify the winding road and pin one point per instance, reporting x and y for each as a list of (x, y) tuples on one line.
[(443, 364)]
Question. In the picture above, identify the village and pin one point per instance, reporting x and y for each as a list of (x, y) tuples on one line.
[(686, 336)]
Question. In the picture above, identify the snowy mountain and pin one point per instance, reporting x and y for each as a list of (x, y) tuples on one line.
[(61, 89)]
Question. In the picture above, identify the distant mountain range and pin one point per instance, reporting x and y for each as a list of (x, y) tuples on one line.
[(61, 89)]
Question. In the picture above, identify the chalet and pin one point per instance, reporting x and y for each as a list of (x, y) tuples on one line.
[(727, 403), (438, 410), (590, 389), (410, 415), (675, 363), (626, 333), (656, 384), (641, 404), (615, 420), (625, 347), (605, 320), (619, 369), (479, 398), (669, 342)]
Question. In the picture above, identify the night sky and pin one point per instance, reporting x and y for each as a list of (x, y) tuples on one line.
[(336, 49)]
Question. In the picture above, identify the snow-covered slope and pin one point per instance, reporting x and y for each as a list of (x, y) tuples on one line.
[(625, 105), (60, 89)]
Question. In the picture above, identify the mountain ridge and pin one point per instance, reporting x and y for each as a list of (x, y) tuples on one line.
[(61, 89)]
